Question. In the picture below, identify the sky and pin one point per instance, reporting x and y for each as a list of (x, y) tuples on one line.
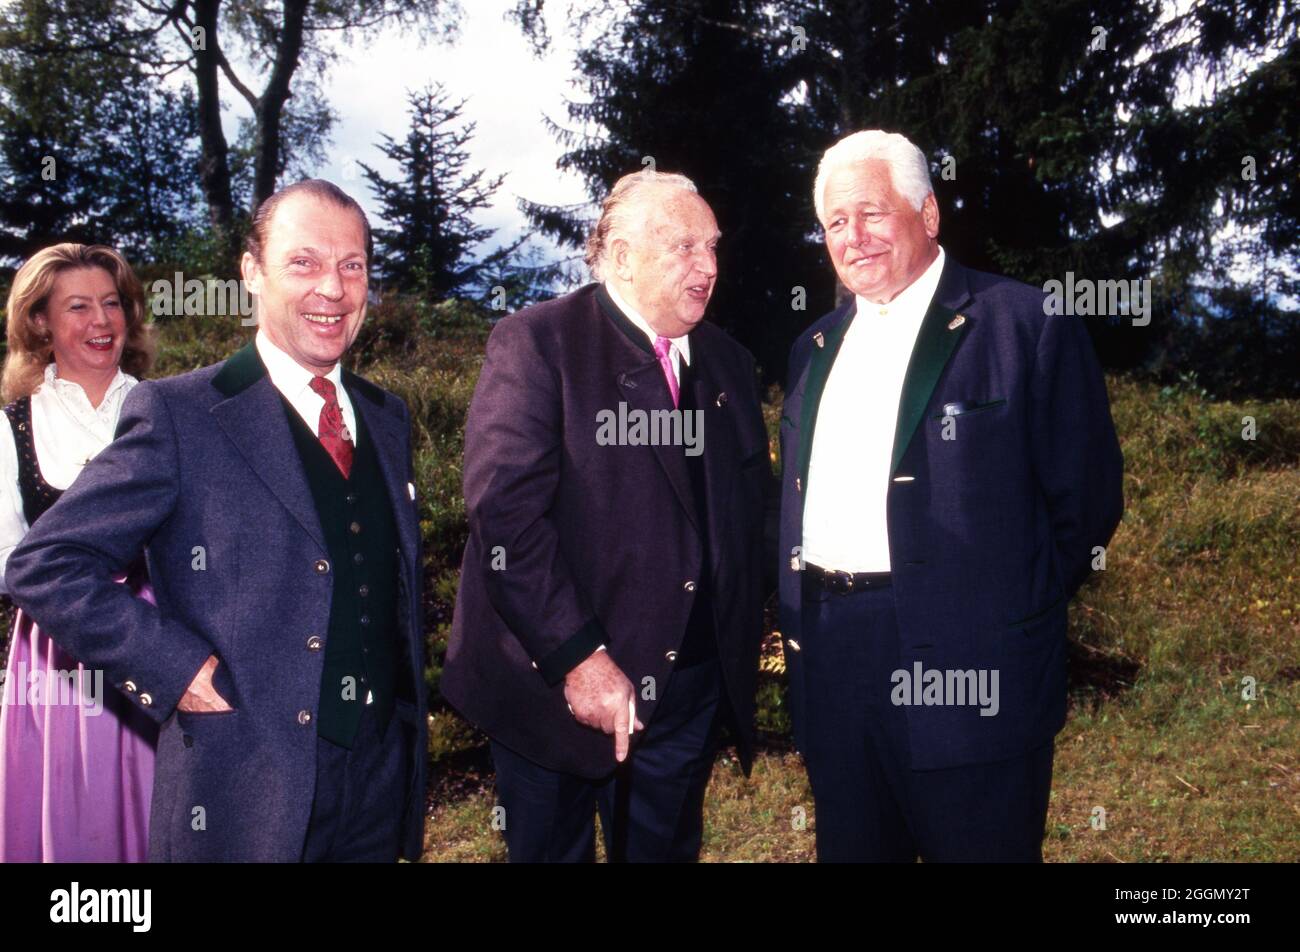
[(508, 89)]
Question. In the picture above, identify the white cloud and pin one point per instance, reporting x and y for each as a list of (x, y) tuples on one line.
[(508, 91)]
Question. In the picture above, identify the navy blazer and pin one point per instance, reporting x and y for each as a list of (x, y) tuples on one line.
[(204, 477), (573, 544), (992, 531)]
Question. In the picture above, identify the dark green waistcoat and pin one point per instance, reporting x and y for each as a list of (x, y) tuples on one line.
[(361, 643)]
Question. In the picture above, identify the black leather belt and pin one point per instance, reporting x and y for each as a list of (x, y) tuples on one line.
[(843, 583)]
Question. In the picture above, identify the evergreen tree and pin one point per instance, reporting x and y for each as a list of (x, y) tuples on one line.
[(1100, 137), (1104, 137), (288, 47), (428, 245), (698, 87)]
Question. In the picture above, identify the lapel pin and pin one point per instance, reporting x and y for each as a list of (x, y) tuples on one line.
[(819, 340), (957, 322)]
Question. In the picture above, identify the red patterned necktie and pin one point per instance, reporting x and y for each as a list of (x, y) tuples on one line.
[(333, 432)]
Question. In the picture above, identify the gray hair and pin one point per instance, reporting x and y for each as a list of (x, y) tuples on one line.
[(616, 219), (908, 170)]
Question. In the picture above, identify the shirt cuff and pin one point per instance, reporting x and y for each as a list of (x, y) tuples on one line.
[(581, 644)]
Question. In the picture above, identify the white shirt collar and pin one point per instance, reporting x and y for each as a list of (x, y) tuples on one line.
[(289, 376), (71, 390), (913, 300), (683, 343)]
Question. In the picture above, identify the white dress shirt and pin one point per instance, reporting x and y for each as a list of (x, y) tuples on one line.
[(294, 381), (844, 517), (67, 432), (681, 346)]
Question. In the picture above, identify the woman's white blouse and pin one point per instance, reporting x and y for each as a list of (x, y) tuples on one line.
[(68, 433)]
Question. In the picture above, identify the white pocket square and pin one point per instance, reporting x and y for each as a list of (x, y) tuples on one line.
[(410, 488)]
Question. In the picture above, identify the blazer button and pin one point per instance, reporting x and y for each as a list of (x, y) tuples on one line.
[(304, 717), (689, 586), (129, 687), (321, 566), (146, 699), (363, 591), (671, 656), (315, 643), (352, 498), (794, 645), (722, 399), (355, 528)]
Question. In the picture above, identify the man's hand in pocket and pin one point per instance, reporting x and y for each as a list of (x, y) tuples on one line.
[(201, 697)]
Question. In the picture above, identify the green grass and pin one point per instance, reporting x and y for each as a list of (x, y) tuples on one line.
[(1199, 592)]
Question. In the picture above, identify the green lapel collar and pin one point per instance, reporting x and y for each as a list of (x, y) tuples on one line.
[(240, 371), (819, 368), (941, 331), (244, 368)]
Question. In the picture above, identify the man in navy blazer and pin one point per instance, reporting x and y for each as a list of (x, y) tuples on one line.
[(951, 475), (610, 606), (273, 497)]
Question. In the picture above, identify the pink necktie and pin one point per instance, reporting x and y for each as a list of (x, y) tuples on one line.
[(663, 347)]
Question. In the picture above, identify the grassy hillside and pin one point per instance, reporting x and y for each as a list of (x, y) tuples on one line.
[(1199, 592)]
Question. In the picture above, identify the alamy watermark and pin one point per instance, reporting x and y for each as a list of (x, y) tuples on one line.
[(651, 428), (1087, 298), (77, 905), (39, 687), (202, 297), (946, 687)]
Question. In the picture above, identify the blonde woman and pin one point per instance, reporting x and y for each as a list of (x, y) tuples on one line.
[(76, 758)]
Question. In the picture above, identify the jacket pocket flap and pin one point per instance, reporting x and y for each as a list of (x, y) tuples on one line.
[(959, 407)]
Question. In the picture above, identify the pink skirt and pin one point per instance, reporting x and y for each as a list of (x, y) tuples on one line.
[(76, 759)]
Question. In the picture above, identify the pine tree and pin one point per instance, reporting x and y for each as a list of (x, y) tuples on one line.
[(1105, 137), (701, 87), (428, 245)]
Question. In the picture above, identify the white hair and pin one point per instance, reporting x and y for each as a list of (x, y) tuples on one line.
[(616, 219), (908, 170)]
